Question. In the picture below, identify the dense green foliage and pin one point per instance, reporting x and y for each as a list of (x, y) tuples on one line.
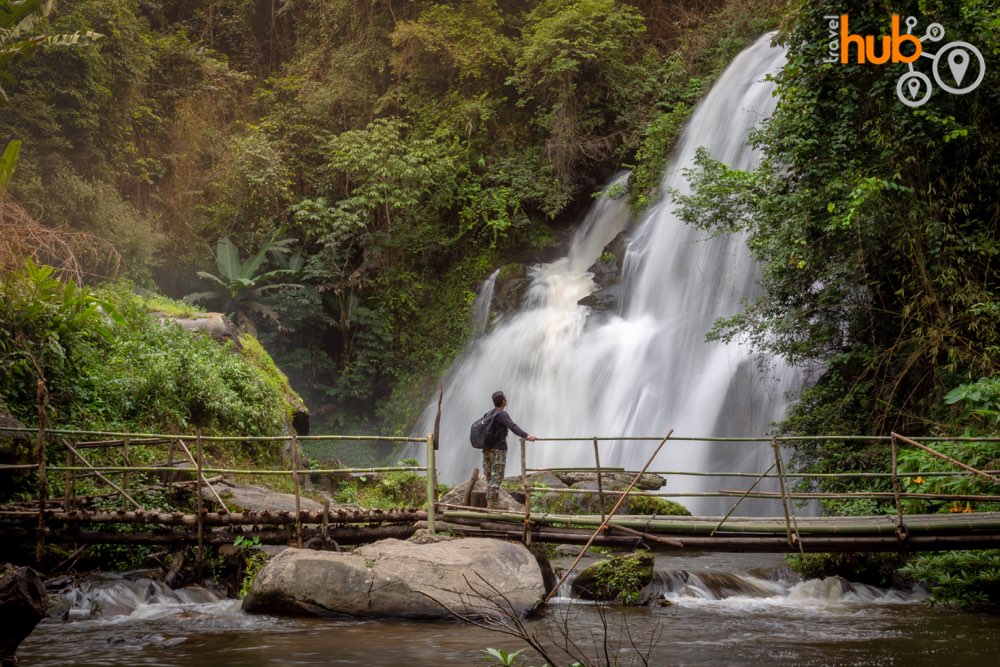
[(875, 224), (874, 569), (109, 364), (407, 148)]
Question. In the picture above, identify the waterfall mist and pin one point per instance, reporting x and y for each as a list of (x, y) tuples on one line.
[(569, 371)]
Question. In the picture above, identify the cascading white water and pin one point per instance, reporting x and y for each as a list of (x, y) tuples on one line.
[(481, 307), (569, 372)]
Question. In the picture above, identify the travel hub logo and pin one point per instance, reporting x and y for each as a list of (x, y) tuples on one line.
[(957, 67)]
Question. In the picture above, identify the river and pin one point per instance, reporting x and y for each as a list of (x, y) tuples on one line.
[(731, 609)]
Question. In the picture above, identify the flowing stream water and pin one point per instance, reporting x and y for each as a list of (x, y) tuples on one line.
[(569, 371), (726, 610)]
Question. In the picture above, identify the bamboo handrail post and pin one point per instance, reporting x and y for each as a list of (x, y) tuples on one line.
[(125, 475), (69, 480), (473, 478), (793, 539), (295, 483), (200, 561), (526, 534), (604, 522), (900, 528), (600, 482), (741, 498), (43, 491), (431, 474), (325, 530)]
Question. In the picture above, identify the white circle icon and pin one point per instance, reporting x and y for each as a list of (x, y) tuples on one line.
[(958, 56), (913, 89)]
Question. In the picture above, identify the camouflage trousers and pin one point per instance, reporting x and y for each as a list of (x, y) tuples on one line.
[(494, 463)]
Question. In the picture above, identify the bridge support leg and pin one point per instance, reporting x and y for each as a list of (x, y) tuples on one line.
[(431, 483)]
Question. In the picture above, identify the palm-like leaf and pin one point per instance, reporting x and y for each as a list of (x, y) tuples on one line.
[(8, 163), (214, 278), (17, 16), (241, 283), (227, 258), (202, 296)]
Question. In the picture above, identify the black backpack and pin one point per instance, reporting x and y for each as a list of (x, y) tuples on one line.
[(482, 432)]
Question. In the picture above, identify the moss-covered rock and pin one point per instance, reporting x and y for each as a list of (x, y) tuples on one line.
[(621, 579), (638, 502)]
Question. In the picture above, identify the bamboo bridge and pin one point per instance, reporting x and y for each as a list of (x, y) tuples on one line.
[(64, 518)]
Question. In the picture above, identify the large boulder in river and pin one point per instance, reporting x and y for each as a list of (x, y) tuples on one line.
[(397, 579), (22, 606)]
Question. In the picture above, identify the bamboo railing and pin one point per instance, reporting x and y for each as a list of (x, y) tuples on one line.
[(70, 441), (723, 532), (793, 534)]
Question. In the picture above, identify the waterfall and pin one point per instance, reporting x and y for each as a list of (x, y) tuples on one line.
[(482, 304), (571, 372)]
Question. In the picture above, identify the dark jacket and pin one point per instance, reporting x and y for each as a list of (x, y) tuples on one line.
[(502, 423)]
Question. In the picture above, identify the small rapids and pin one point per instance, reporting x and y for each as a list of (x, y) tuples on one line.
[(732, 609), (711, 583)]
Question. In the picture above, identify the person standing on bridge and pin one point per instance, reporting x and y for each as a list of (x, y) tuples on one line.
[(495, 452)]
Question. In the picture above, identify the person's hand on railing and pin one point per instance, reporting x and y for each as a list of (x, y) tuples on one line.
[(531, 438)]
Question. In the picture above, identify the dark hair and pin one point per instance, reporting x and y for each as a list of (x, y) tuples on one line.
[(498, 399)]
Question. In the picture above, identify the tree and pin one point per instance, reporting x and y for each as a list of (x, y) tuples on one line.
[(241, 284), (579, 66), (17, 19)]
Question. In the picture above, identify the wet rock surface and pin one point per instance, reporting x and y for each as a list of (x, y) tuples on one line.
[(23, 601), (397, 579)]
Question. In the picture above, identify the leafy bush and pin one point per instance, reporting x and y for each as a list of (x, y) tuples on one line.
[(874, 569), (109, 364), (959, 578), (389, 490)]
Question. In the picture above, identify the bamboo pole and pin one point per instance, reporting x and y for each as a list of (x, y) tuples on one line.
[(604, 522), (295, 483), (126, 477), (232, 471), (213, 519), (648, 536), (793, 539), (69, 482), (876, 495), (431, 473), (201, 476), (945, 457), (748, 543), (900, 528), (526, 534), (326, 520), (214, 438), (200, 561), (43, 492), (737, 504), (624, 438), (600, 482), (103, 478), (473, 478)]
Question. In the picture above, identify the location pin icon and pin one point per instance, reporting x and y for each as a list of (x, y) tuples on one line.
[(958, 63), (914, 86)]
